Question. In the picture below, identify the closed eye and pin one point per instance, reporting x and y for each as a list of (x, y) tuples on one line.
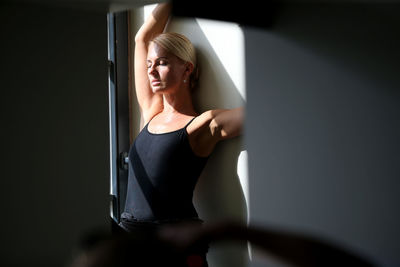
[(159, 62), (162, 62)]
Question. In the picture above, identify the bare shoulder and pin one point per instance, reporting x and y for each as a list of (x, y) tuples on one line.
[(202, 134)]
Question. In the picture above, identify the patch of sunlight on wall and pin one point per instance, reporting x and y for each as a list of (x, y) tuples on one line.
[(242, 172), (148, 9), (229, 48)]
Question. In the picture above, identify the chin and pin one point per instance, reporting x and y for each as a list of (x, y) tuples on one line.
[(158, 90), (161, 90)]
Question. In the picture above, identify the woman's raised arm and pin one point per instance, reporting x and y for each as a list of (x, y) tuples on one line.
[(150, 104)]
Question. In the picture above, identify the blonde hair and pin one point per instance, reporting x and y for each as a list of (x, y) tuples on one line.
[(180, 46)]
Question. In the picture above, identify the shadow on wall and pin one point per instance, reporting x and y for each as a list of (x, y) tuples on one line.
[(330, 105), (219, 194), (356, 46)]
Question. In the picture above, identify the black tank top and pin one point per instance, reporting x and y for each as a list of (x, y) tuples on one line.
[(163, 172)]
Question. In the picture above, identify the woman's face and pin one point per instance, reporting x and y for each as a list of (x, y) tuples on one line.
[(166, 72)]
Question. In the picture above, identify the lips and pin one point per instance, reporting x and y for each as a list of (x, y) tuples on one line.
[(155, 82)]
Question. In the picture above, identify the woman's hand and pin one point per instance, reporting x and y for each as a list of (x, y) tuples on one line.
[(155, 23)]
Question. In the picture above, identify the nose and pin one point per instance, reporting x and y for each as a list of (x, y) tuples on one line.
[(152, 70)]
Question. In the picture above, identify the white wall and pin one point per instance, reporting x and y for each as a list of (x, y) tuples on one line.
[(222, 189)]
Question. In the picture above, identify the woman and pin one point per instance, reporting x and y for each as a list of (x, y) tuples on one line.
[(170, 152)]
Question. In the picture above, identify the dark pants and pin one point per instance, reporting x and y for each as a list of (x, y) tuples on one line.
[(193, 257)]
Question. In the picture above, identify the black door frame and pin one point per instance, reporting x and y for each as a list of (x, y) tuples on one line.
[(118, 109)]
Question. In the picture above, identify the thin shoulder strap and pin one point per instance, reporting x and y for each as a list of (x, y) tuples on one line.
[(189, 122), (147, 124)]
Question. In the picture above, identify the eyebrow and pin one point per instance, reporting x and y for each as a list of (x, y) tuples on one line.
[(148, 60)]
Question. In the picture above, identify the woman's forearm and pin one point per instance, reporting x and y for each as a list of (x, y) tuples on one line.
[(155, 23), (228, 123)]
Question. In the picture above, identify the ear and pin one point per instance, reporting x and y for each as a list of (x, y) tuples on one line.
[(188, 68)]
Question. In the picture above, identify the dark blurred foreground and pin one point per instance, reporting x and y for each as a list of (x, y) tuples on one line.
[(168, 245)]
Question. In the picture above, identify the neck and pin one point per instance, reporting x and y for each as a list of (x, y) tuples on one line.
[(180, 102)]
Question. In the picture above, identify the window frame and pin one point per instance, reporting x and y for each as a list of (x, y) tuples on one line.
[(119, 106)]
